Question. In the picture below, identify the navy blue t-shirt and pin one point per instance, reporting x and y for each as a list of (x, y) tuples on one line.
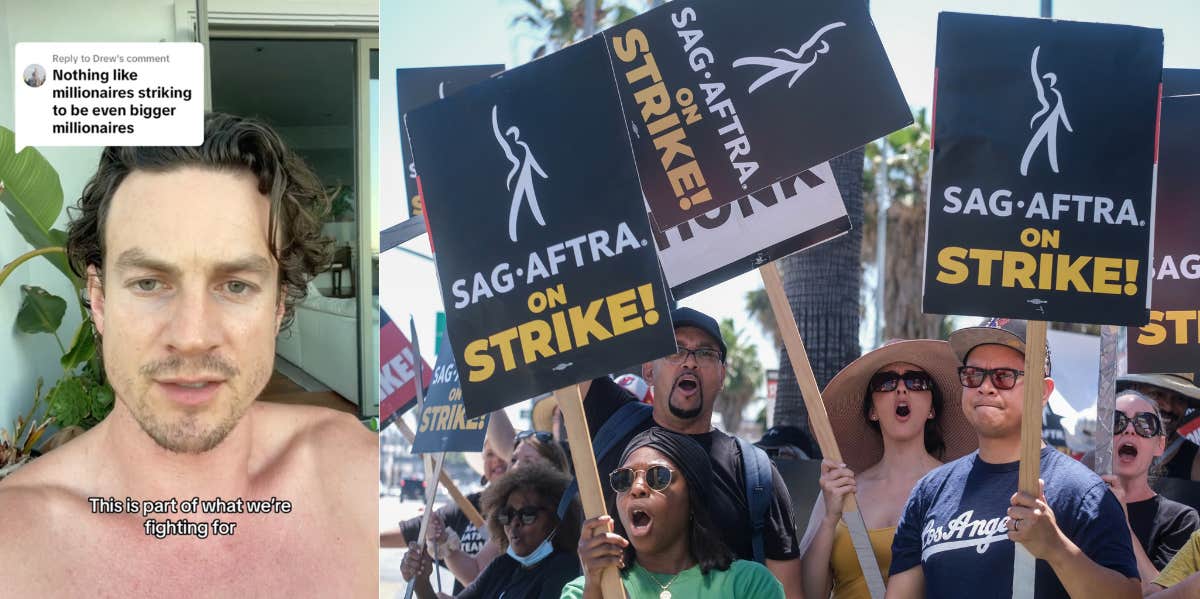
[(955, 526)]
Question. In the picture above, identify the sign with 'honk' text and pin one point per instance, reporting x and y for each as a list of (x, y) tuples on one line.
[(1170, 342), (723, 99), (787, 217), (1042, 197), (442, 424), (543, 250)]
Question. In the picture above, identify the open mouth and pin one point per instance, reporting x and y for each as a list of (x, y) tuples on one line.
[(1127, 452), (902, 410), (640, 522), (688, 383)]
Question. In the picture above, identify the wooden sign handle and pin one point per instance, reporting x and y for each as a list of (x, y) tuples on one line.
[(570, 403), (464, 504), (431, 494), (818, 419), (1031, 419), (1106, 399)]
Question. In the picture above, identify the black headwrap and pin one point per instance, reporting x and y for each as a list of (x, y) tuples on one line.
[(694, 463), (689, 457)]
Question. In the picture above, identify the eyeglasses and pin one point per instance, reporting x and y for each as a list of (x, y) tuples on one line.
[(657, 478), (1002, 378), (888, 381), (527, 515), (1145, 424), (541, 436), (705, 356)]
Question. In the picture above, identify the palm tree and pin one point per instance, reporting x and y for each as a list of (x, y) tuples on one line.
[(743, 373), (822, 285), (759, 309), (907, 174), (562, 25)]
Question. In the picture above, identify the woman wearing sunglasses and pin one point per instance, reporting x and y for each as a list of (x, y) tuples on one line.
[(537, 542), (1158, 527), (665, 543), (886, 409), (529, 447)]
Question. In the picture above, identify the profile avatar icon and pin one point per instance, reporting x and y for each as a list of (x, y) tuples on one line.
[(34, 75)]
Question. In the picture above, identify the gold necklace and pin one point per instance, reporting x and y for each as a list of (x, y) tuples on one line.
[(665, 594)]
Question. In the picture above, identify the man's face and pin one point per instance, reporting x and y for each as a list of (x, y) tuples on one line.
[(1170, 404), (994, 412), (689, 388), (190, 303)]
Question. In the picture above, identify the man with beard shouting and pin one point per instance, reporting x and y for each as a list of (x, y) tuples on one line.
[(686, 384), (194, 258)]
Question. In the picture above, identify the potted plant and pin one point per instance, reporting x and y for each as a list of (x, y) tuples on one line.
[(31, 193)]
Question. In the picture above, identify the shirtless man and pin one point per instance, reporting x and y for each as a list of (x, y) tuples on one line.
[(194, 258)]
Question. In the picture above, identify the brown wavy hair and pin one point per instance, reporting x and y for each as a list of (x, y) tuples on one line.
[(549, 484), (298, 201)]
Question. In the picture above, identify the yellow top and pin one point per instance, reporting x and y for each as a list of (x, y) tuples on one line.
[(1184, 564), (848, 582)]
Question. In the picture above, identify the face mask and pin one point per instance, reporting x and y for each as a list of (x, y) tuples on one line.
[(537, 555)]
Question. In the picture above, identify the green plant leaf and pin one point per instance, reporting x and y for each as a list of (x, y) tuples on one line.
[(102, 401), (38, 239), (41, 311), (32, 185), (83, 346), (69, 403)]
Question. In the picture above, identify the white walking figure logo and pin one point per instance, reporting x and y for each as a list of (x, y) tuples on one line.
[(524, 188), (1049, 129), (780, 67)]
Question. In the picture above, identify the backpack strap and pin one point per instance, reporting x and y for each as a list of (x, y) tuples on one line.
[(627, 417), (759, 490)]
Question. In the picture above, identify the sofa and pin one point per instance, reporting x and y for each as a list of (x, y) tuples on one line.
[(323, 341)]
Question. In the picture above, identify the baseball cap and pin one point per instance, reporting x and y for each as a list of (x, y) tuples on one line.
[(687, 317), (1009, 332)]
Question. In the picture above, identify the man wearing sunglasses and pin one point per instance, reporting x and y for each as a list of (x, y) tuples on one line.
[(960, 527), (686, 384), (1158, 527)]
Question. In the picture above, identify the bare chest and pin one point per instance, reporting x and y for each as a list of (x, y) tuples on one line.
[(209, 555), (881, 502)]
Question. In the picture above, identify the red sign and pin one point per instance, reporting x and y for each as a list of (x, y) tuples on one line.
[(397, 370)]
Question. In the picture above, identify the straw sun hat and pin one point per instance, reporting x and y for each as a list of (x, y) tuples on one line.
[(1179, 383), (861, 445)]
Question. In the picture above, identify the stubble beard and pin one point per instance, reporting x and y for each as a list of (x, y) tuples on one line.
[(187, 433)]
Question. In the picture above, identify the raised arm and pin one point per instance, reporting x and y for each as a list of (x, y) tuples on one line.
[(816, 548)]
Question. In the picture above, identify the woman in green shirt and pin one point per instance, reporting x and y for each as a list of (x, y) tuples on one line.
[(673, 548)]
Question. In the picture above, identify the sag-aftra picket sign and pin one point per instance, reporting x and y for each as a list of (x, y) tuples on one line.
[(1042, 197)]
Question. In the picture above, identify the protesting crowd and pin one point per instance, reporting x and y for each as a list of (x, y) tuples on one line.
[(930, 434)]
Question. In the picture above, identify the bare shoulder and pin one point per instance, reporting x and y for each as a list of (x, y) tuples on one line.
[(37, 506), (312, 425), (333, 444)]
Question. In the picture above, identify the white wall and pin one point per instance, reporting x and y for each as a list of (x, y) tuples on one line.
[(24, 358)]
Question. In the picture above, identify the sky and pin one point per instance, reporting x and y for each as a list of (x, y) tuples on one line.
[(419, 34)]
